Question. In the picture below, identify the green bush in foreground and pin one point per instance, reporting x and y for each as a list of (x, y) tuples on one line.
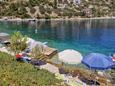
[(13, 73), (18, 42)]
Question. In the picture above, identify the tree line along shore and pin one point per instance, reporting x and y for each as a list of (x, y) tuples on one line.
[(50, 9)]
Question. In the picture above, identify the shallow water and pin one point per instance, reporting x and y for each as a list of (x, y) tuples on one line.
[(85, 36)]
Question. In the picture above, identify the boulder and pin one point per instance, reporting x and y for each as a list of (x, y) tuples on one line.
[(4, 37)]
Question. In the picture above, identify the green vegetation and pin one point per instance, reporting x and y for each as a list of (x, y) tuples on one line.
[(18, 42), (38, 52), (13, 73), (52, 9)]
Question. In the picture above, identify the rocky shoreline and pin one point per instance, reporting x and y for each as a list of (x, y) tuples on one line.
[(70, 19)]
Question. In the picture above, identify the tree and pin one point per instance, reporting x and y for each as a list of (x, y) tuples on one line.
[(18, 42), (22, 10), (34, 2), (47, 16), (55, 3), (32, 10), (42, 9)]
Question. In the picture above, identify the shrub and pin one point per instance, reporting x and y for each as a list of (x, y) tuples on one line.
[(32, 10), (18, 42), (49, 10), (34, 2), (38, 16), (42, 9), (22, 10), (13, 7), (47, 16), (38, 52), (25, 16), (69, 14)]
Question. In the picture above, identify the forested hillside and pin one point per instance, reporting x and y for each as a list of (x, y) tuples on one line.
[(56, 8)]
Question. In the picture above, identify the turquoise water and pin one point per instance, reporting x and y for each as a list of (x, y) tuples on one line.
[(86, 36)]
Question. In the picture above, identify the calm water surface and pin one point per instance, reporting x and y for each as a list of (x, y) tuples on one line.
[(85, 36)]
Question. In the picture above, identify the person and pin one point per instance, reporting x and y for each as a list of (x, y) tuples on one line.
[(26, 59), (113, 57), (22, 57), (19, 57)]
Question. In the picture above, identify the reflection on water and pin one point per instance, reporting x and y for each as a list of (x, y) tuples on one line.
[(83, 35)]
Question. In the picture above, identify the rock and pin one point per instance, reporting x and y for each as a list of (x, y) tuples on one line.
[(4, 37)]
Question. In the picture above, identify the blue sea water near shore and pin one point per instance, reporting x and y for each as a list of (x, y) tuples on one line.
[(86, 36)]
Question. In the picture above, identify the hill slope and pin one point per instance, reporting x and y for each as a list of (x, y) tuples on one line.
[(56, 8), (13, 73)]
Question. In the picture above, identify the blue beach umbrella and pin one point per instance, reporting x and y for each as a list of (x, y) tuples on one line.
[(97, 61)]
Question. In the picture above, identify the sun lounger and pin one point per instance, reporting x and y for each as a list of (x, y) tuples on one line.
[(49, 52)]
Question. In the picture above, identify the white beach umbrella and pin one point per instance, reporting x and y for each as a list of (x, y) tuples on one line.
[(70, 56)]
